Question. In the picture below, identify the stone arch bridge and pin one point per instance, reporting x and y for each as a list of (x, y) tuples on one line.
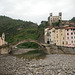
[(29, 40), (50, 49)]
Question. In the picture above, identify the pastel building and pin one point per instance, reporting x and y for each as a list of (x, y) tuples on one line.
[(49, 35), (70, 36), (2, 40), (59, 36)]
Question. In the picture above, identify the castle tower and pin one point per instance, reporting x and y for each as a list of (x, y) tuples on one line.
[(60, 15), (3, 36), (51, 18), (50, 14)]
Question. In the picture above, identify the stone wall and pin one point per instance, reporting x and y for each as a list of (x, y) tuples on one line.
[(53, 49), (4, 50)]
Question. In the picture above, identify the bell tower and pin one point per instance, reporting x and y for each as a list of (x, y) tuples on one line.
[(60, 15), (3, 36)]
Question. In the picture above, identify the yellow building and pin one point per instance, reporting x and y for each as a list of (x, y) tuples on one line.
[(59, 36)]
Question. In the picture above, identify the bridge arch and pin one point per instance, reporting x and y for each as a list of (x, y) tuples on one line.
[(28, 40)]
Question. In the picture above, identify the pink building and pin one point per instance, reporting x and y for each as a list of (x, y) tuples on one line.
[(2, 40), (70, 36)]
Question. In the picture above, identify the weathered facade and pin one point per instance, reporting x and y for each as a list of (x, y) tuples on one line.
[(61, 36)]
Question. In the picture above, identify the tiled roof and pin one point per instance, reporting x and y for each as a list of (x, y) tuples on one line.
[(70, 28)]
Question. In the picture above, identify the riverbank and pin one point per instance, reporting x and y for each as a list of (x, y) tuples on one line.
[(56, 64)]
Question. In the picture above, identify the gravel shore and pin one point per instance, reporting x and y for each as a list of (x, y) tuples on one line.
[(54, 64)]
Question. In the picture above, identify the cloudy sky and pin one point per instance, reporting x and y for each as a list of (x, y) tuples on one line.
[(37, 10)]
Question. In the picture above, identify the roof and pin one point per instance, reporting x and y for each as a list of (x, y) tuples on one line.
[(70, 28)]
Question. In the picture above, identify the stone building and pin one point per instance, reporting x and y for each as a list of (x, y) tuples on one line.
[(53, 19), (2, 40)]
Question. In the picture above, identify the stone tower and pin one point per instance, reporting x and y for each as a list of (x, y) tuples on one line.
[(3, 38), (53, 19)]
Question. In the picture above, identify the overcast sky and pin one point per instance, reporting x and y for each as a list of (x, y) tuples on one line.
[(37, 10)]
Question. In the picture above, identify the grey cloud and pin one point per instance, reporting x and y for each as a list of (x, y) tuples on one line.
[(36, 10)]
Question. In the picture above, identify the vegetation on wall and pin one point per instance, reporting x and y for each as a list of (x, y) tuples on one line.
[(57, 23)]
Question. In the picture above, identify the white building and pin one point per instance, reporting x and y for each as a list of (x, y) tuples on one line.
[(49, 35)]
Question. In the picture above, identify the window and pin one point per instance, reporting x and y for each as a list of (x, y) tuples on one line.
[(74, 37), (67, 29), (63, 38), (71, 33), (47, 39), (47, 33), (71, 37), (61, 33), (67, 37), (71, 29), (51, 20), (57, 35), (50, 39), (63, 42), (74, 33), (66, 42), (57, 40), (67, 33), (72, 41)]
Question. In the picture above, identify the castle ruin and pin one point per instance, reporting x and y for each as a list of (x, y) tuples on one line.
[(52, 19)]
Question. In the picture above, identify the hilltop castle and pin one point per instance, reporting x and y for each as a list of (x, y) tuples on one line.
[(2, 40), (52, 19), (62, 35)]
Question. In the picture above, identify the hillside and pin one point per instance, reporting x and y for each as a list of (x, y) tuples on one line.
[(41, 27), (73, 19), (17, 30)]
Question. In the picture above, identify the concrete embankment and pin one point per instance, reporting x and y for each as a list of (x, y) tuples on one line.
[(53, 49)]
